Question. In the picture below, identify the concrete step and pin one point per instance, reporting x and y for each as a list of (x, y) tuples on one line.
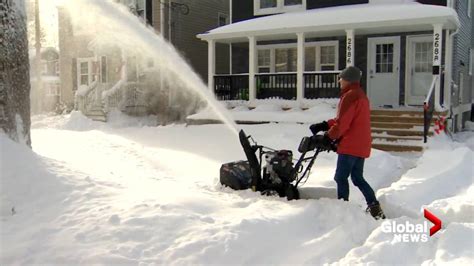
[(399, 132), (397, 119), (100, 118), (397, 112), (395, 125), (396, 138), (397, 147)]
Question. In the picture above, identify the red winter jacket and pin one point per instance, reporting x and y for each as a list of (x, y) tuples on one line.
[(352, 124)]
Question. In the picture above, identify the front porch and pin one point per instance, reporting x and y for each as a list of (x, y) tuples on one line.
[(400, 53)]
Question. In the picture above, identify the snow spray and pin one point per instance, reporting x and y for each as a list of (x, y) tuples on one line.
[(113, 24)]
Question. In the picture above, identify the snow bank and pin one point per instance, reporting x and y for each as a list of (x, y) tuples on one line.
[(273, 112), (452, 246)]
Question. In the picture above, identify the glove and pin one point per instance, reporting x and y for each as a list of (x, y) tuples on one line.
[(316, 128), (323, 142)]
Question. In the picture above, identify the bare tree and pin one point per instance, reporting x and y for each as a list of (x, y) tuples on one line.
[(14, 72)]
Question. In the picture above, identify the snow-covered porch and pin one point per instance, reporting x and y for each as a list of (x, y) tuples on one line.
[(297, 56)]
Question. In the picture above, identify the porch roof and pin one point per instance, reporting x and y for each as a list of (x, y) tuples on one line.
[(333, 21)]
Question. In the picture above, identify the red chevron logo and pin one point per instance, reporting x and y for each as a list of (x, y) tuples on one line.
[(435, 220)]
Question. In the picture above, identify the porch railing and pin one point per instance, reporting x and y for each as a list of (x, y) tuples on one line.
[(231, 87), (428, 109), (276, 85), (321, 84)]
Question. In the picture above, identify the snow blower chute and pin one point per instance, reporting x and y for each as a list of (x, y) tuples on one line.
[(278, 176)]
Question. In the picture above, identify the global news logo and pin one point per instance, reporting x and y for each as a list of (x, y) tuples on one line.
[(409, 232)]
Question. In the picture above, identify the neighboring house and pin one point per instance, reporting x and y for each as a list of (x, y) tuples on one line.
[(294, 50), (45, 97), (103, 77)]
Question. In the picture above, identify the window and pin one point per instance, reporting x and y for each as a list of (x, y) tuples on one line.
[(285, 60), (268, 3), (423, 57), (44, 67), (52, 89), (264, 59), (265, 7), (222, 19), (103, 69), (321, 56), (56, 67), (293, 2), (310, 59), (384, 58), (84, 73), (328, 58)]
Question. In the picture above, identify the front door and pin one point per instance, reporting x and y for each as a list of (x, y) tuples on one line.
[(383, 71), (419, 68)]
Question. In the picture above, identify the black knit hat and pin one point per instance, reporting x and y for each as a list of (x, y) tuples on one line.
[(351, 73)]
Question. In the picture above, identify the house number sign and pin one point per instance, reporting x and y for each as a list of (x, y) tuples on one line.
[(437, 48), (350, 50)]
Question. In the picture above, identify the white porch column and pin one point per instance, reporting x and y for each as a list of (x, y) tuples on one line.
[(211, 71), (437, 56), (349, 48), (448, 70), (252, 66), (300, 69)]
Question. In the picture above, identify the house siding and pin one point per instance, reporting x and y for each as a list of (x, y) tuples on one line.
[(462, 43), (202, 16)]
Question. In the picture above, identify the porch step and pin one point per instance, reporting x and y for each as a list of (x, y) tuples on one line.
[(395, 138), (396, 112), (397, 119), (400, 132), (397, 148), (395, 125), (97, 114)]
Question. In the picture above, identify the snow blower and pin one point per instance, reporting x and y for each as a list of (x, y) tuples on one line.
[(270, 171)]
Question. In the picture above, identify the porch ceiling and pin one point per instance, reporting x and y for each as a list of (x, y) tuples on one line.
[(364, 19)]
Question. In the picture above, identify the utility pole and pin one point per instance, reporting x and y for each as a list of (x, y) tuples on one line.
[(37, 93)]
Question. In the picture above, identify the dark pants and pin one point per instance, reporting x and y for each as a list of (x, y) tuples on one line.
[(353, 166)]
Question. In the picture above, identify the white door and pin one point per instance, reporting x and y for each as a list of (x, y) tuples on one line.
[(383, 71), (419, 69)]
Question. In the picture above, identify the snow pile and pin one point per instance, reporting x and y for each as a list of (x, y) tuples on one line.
[(271, 111), (76, 121), (441, 182)]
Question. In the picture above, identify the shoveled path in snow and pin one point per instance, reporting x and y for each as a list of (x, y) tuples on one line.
[(155, 201)]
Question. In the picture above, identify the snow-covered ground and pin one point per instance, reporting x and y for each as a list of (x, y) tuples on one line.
[(128, 192)]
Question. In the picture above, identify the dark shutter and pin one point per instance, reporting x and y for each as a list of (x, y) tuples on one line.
[(74, 74), (149, 12)]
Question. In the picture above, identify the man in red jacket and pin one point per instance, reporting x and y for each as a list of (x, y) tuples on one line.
[(351, 130)]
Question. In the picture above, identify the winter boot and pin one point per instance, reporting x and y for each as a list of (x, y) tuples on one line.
[(375, 210)]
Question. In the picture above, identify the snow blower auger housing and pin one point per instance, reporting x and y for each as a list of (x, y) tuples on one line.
[(279, 175)]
